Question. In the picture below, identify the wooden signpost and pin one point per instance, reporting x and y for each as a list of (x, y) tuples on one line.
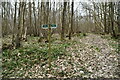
[(49, 27), (45, 26)]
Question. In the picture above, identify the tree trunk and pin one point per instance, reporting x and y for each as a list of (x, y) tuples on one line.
[(112, 19), (13, 35), (35, 24), (24, 33), (17, 39), (71, 29), (105, 25), (30, 18), (63, 21), (118, 16)]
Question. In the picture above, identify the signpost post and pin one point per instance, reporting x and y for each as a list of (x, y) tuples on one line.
[(49, 38), (49, 27)]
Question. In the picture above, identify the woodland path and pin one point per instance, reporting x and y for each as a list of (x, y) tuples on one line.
[(91, 56)]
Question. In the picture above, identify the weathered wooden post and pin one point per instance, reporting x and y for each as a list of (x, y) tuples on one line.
[(49, 45)]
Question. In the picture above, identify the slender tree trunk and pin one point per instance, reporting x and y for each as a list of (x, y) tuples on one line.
[(35, 24), (112, 19), (109, 20), (30, 18), (94, 16), (5, 22), (13, 35), (39, 18), (17, 39), (69, 20), (24, 34), (63, 21), (105, 25), (71, 29), (118, 17)]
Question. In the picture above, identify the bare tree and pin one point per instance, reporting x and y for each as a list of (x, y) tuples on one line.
[(13, 35), (104, 11), (118, 17), (71, 28), (24, 30), (18, 36), (35, 23), (112, 18), (30, 18), (63, 20)]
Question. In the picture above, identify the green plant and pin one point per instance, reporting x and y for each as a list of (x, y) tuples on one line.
[(81, 35), (25, 57)]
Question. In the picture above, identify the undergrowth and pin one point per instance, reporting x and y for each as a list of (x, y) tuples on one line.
[(24, 58)]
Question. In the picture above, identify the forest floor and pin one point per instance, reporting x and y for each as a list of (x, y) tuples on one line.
[(89, 56)]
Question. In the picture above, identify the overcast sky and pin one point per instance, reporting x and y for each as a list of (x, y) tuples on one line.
[(64, 0), (76, 2)]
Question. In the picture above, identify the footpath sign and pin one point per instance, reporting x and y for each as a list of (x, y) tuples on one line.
[(45, 26), (49, 27), (53, 26)]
